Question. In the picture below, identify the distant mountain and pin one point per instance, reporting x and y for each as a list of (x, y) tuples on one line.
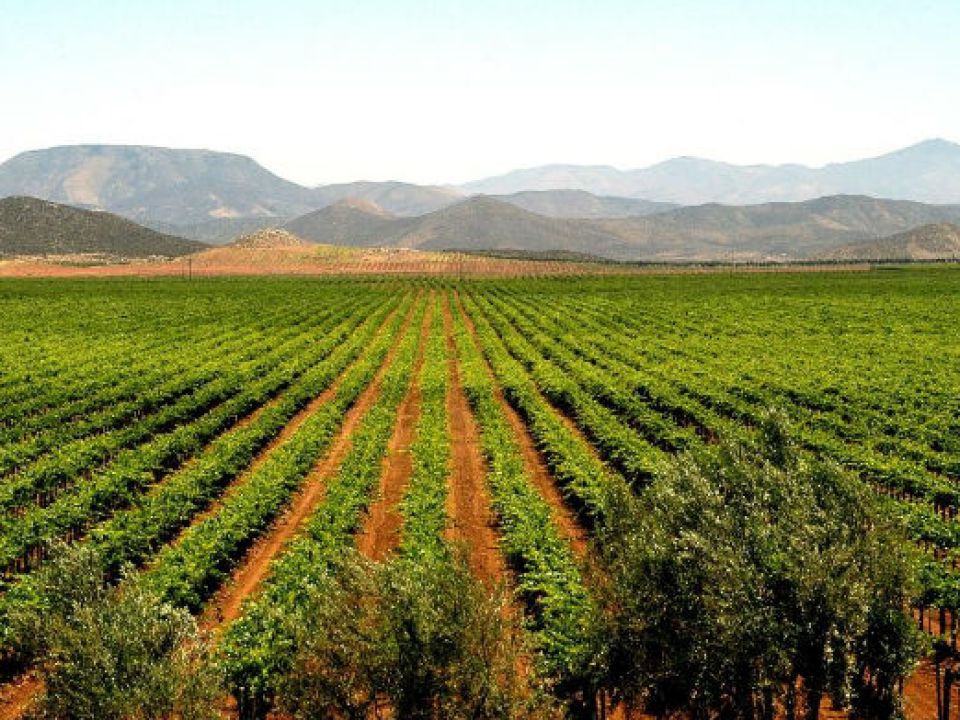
[(203, 194), (930, 242), (36, 227), (483, 223), (581, 204), (154, 184), (217, 231), (478, 223), (771, 230), (358, 223), (399, 198), (927, 172)]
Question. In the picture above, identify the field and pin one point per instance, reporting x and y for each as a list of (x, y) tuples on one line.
[(231, 439)]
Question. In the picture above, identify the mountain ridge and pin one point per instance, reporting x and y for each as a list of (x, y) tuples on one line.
[(771, 231), (928, 171)]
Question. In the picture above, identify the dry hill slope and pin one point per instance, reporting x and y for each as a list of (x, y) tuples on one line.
[(771, 230), (398, 198), (581, 204), (356, 223), (154, 184), (36, 227), (483, 223), (929, 242)]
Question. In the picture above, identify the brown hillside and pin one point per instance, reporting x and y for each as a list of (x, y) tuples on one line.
[(940, 241)]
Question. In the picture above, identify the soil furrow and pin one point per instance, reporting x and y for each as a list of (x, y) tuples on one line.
[(226, 605), (288, 431), (534, 464), (381, 531), (468, 502)]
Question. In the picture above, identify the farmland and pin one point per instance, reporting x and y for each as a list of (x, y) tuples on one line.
[(227, 445)]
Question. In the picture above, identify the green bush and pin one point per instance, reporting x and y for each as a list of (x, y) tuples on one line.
[(422, 638)]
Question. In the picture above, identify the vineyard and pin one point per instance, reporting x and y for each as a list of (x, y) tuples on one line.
[(245, 452)]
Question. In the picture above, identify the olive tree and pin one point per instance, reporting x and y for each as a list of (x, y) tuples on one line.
[(746, 572)]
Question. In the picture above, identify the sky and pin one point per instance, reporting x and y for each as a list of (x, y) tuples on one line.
[(438, 91)]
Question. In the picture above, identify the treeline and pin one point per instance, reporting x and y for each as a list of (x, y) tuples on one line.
[(745, 582)]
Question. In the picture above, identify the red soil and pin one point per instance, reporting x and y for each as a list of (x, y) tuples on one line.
[(331, 260), (225, 607), (468, 501), (381, 531), (535, 466), (17, 697)]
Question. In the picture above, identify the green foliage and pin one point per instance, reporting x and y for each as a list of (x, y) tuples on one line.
[(734, 575), (256, 650), (423, 638), (113, 656)]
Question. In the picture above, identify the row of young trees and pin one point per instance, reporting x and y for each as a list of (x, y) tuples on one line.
[(734, 586)]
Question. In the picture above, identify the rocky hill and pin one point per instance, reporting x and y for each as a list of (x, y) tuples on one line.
[(930, 242), (154, 184), (36, 227), (357, 223), (402, 199), (268, 238), (195, 192), (771, 231)]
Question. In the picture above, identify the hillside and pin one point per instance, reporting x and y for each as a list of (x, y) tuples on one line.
[(482, 223), (355, 223), (154, 184), (403, 199), (771, 230), (926, 172), (930, 242), (268, 238), (217, 231), (35, 227), (581, 204)]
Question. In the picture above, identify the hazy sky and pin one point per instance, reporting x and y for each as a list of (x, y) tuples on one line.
[(445, 91)]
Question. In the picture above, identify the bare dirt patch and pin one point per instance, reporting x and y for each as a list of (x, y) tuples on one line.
[(16, 697)]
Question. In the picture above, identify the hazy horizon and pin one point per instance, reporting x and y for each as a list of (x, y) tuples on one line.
[(438, 93)]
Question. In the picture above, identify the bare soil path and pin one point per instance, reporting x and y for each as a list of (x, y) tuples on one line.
[(285, 434), (16, 697), (468, 500), (226, 605), (534, 464), (381, 530)]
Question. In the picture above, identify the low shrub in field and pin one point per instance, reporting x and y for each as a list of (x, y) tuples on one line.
[(109, 655), (414, 639)]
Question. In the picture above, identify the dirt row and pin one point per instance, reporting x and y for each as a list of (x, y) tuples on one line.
[(381, 530), (226, 605), (534, 464), (16, 697)]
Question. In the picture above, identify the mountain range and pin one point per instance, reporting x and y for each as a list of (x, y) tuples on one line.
[(771, 231), (938, 241), (926, 172), (654, 213), (172, 188)]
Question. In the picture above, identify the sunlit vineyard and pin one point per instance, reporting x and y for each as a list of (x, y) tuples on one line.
[(232, 446)]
